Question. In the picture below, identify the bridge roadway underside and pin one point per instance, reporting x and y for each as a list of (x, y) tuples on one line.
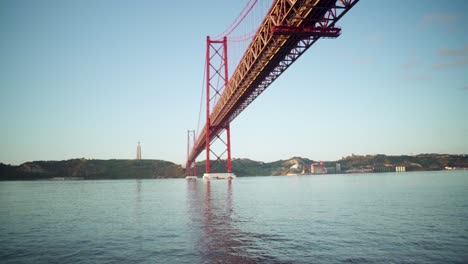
[(271, 52)]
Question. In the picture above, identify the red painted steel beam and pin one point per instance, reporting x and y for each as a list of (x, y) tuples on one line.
[(207, 129), (307, 31)]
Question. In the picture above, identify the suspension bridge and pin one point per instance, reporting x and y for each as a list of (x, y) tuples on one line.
[(281, 33)]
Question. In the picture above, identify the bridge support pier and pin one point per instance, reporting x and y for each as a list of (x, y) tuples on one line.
[(211, 176)]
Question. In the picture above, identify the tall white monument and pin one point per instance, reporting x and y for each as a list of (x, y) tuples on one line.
[(138, 157)]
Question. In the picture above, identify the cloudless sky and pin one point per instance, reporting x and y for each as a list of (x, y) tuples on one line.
[(92, 78)]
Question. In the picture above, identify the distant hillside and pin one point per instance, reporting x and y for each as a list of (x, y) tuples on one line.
[(133, 169), (295, 165), (92, 169), (422, 162), (247, 167)]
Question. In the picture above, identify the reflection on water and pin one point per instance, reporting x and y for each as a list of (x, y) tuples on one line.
[(138, 199), (137, 210), (216, 225)]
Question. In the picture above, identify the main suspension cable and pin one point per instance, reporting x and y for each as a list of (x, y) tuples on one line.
[(238, 19)]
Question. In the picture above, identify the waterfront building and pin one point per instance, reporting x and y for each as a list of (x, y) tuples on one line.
[(384, 169), (400, 168), (318, 168)]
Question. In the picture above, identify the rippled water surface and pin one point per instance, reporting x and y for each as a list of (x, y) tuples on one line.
[(366, 218)]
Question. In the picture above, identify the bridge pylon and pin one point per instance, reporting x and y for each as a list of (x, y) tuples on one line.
[(216, 82)]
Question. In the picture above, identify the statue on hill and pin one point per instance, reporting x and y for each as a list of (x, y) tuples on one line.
[(138, 155)]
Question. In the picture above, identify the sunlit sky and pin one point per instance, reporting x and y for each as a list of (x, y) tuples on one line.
[(92, 78)]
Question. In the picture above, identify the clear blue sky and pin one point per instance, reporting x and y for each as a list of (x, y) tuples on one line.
[(92, 78)]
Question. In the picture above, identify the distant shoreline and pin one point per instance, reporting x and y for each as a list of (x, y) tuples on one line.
[(91, 169)]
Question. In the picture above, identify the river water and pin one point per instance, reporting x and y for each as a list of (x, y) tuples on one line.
[(419, 217)]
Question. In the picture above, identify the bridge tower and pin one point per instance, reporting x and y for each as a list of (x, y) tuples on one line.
[(216, 72)]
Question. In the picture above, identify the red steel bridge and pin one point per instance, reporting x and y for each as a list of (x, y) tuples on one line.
[(287, 30)]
